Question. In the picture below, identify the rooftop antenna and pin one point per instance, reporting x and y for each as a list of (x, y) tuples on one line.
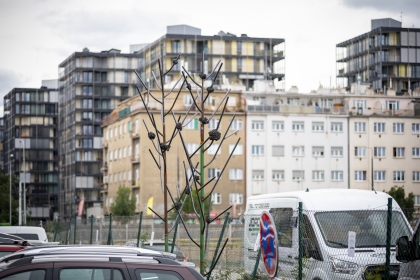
[(401, 17)]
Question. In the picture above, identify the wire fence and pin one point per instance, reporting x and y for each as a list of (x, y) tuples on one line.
[(311, 244)]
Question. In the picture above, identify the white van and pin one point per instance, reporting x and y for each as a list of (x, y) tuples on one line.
[(328, 217), (34, 235)]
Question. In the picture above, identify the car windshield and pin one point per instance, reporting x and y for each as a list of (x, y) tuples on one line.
[(369, 226)]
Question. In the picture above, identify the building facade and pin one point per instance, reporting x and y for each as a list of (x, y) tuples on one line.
[(127, 160), (245, 59), (296, 141), (384, 148), (31, 136), (91, 86), (388, 56)]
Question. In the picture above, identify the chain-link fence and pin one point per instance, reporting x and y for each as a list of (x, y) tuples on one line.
[(311, 244)]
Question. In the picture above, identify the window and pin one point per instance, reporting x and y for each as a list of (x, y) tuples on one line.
[(87, 130), (236, 125), (336, 127), (317, 151), (257, 150), (415, 128), (236, 197), (359, 104), (359, 127), (235, 174), (216, 198), (298, 151), (298, 126), (399, 152), (398, 127), (317, 175), (278, 151), (379, 151), (277, 126), (416, 176), (298, 175), (153, 274), (87, 103), (392, 105), (90, 273), (188, 101), (238, 150), (191, 148), (326, 103), (257, 125), (213, 172), (213, 148), (399, 176), (278, 175), (336, 175), (239, 64), (336, 151), (125, 152), (27, 275), (318, 126), (360, 175), (379, 176), (282, 218), (176, 46), (257, 174), (416, 152), (360, 151), (129, 151), (213, 124), (191, 124), (379, 127)]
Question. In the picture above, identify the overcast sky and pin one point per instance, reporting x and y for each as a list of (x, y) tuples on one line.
[(37, 35)]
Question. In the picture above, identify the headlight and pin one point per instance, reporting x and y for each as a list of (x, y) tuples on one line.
[(340, 266)]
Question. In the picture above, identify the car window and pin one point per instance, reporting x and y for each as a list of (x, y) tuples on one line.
[(151, 274), (2, 254), (38, 274), (89, 274), (282, 219), (28, 236)]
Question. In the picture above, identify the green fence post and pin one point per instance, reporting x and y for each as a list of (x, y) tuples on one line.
[(67, 234), (300, 242), (74, 233), (56, 229), (257, 262), (139, 231), (388, 239), (110, 230), (174, 239), (218, 243), (91, 229)]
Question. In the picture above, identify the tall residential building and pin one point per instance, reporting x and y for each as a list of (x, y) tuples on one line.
[(388, 56), (295, 141), (31, 136), (245, 59), (1, 145), (384, 143), (91, 85), (127, 161)]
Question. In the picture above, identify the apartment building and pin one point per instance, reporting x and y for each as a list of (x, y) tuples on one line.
[(1, 145), (388, 56), (245, 59), (127, 160), (295, 141), (91, 86), (384, 143), (31, 136)]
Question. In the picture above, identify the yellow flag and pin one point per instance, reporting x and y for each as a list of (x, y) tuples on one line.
[(150, 205)]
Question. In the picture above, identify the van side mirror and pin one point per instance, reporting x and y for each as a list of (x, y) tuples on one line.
[(404, 250)]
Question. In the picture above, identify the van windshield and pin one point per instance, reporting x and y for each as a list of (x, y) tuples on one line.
[(369, 226)]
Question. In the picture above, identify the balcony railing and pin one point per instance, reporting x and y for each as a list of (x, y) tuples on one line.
[(297, 109)]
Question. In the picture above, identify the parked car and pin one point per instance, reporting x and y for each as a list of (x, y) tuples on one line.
[(34, 235), (10, 244), (93, 262), (408, 252), (159, 245)]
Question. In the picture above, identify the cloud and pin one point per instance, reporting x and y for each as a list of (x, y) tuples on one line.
[(8, 81), (393, 7)]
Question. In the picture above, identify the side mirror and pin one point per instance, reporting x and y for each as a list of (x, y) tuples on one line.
[(404, 250)]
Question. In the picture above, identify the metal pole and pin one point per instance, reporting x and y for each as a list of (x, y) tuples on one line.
[(24, 185), (218, 243), (254, 273), (388, 239), (10, 189), (300, 242), (20, 203), (74, 233), (91, 228), (139, 231), (202, 241)]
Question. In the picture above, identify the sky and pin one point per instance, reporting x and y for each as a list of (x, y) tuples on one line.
[(36, 36)]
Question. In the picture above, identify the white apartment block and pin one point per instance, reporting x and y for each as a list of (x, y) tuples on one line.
[(296, 142)]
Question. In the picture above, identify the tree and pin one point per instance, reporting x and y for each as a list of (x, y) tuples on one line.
[(123, 205), (406, 203), (5, 200)]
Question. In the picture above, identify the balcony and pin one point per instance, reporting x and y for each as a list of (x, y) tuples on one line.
[(135, 135), (135, 159), (104, 167), (297, 109)]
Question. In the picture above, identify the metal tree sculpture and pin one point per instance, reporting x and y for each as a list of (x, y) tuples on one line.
[(162, 144)]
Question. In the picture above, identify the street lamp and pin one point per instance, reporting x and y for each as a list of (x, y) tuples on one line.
[(10, 190), (24, 183)]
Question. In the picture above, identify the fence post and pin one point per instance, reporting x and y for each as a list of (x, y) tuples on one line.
[(257, 262), (300, 224), (218, 243), (74, 233), (139, 231), (175, 232), (68, 233), (56, 229), (110, 230), (388, 239), (91, 229)]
